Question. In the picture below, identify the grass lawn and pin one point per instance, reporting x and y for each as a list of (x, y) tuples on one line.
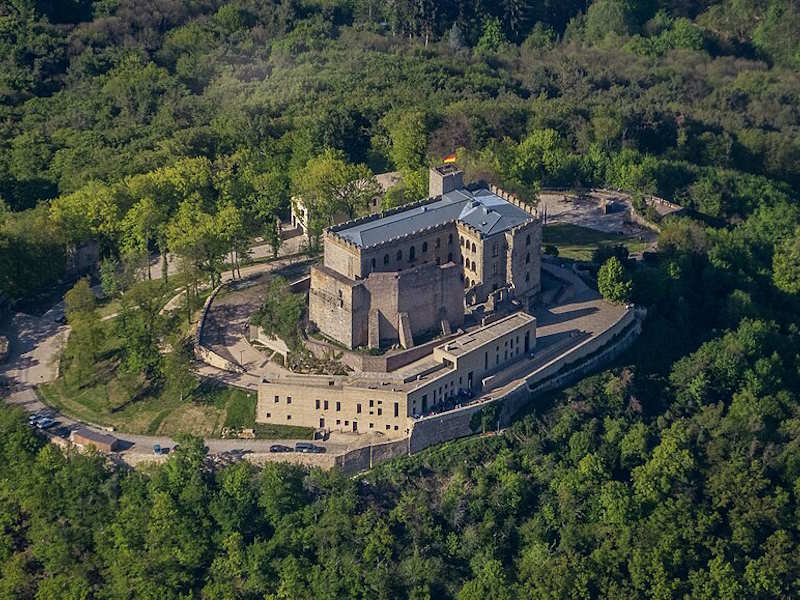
[(210, 408), (101, 398), (578, 243), (109, 306)]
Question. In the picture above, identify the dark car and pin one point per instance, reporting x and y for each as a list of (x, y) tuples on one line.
[(279, 448), (308, 448), (62, 432)]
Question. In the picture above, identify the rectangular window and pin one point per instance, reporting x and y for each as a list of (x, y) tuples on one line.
[(485, 360), (326, 405), (371, 403), (338, 406), (396, 409), (288, 417), (347, 423), (277, 399), (321, 423), (380, 412), (316, 403), (288, 399), (372, 425), (388, 427), (358, 408), (338, 422), (268, 415)]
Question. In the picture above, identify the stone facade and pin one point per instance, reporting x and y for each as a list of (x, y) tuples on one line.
[(458, 370), (391, 271), (335, 407), (353, 312)]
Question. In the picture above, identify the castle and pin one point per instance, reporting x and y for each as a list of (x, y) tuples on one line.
[(408, 273)]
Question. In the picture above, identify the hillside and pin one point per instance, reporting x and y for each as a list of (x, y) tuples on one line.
[(162, 126)]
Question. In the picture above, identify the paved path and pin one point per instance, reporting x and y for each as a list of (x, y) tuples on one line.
[(36, 345), (258, 251)]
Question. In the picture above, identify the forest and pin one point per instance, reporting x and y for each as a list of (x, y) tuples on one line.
[(157, 126)]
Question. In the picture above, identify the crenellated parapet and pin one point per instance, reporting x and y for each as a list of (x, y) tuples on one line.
[(512, 199)]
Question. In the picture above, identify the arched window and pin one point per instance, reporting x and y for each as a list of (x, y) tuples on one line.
[(527, 258), (450, 257), (473, 265), (466, 283), (466, 262), (412, 253), (450, 239), (424, 246), (528, 240), (474, 249), (399, 255), (386, 259), (461, 240)]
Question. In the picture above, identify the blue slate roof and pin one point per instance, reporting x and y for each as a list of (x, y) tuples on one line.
[(481, 209)]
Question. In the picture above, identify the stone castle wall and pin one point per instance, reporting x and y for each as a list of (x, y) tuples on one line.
[(340, 307), (524, 259), (335, 407), (427, 293), (563, 369)]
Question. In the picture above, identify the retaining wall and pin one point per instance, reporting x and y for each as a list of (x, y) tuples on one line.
[(456, 423), (206, 354), (377, 364), (365, 458)]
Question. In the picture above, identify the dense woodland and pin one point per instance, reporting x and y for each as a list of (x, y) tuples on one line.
[(164, 125)]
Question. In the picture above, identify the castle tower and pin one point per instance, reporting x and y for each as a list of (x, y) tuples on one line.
[(443, 179)]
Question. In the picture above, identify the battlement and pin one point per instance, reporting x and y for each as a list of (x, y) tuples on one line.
[(512, 199)]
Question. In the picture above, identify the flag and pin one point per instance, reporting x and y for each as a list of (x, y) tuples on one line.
[(450, 158)]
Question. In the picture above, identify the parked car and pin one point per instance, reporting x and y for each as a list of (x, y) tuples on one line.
[(308, 448), (62, 432), (158, 449), (45, 423), (279, 448)]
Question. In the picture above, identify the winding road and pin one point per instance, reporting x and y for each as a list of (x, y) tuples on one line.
[(35, 347)]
